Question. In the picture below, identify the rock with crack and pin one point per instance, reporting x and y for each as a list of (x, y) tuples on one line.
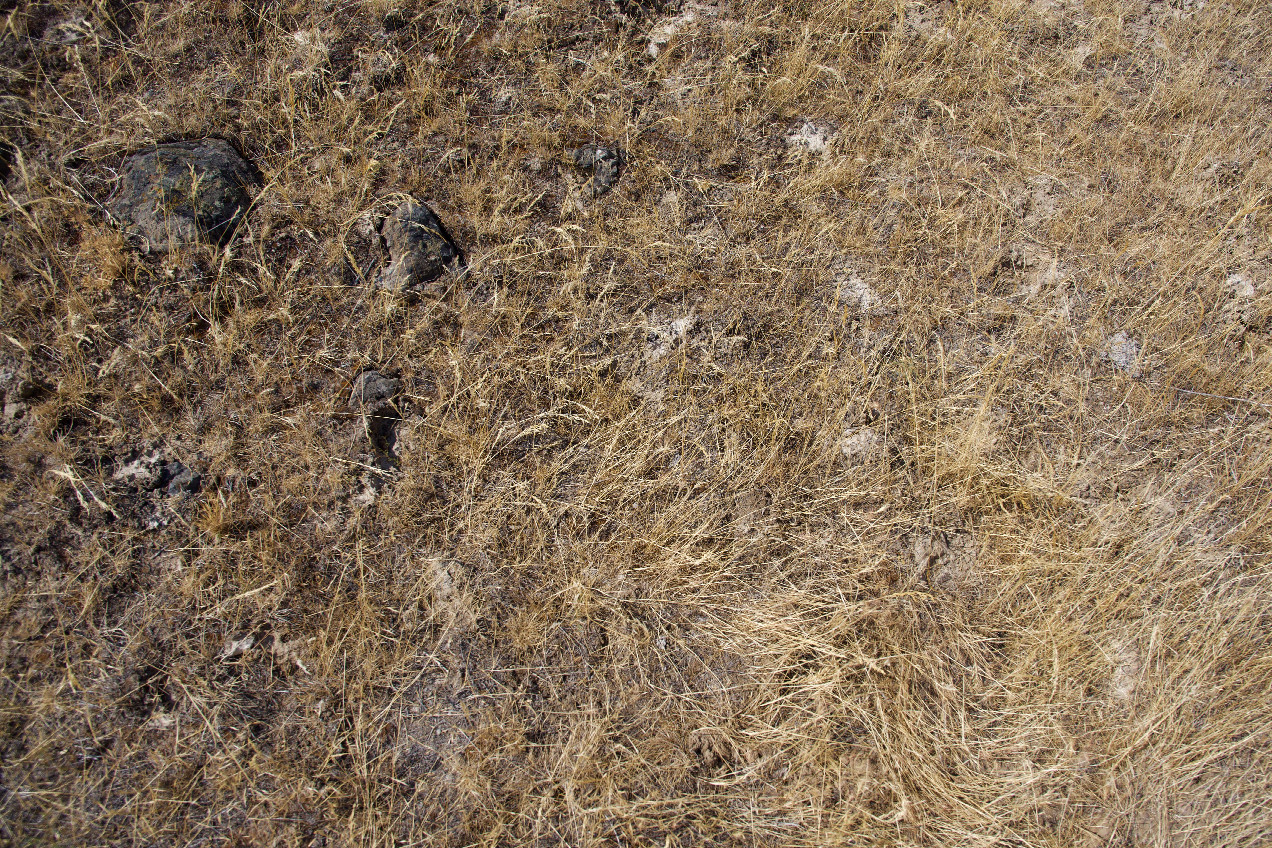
[(185, 192), (602, 164), (420, 249)]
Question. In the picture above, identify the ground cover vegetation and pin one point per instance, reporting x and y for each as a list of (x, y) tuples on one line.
[(609, 422)]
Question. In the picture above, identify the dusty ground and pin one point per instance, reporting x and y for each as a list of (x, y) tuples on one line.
[(884, 460)]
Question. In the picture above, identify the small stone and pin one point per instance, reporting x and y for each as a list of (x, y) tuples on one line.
[(666, 30), (1241, 286), (1241, 308), (372, 390), (858, 443), (181, 480), (1123, 353), (146, 472), (810, 138), (1126, 670), (13, 410), (669, 208), (373, 395), (943, 560), (604, 163), (185, 192), (420, 249), (852, 289), (664, 336), (237, 647)]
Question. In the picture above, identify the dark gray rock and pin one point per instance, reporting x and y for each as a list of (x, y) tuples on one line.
[(185, 192), (603, 163), (420, 249), (180, 480), (372, 390), (372, 396)]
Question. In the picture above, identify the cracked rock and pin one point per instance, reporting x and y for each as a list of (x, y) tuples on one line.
[(420, 249)]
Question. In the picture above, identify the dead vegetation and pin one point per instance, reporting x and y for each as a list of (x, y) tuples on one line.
[(883, 458)]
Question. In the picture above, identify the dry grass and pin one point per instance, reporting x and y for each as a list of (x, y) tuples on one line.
[(781, 496)]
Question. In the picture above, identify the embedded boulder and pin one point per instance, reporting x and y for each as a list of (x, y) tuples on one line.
[(373, 390), (420, 248), (185, 192)]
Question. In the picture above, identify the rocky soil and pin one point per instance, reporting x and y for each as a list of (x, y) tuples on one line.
[(651, 423)]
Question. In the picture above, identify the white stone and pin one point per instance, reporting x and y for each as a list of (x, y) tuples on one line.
[(810, 138), (1123, 352), (855, 290), (1241, 286), (662, 34), (858, 443)]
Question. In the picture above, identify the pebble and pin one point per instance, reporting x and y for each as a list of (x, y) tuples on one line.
[(604, 163)]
